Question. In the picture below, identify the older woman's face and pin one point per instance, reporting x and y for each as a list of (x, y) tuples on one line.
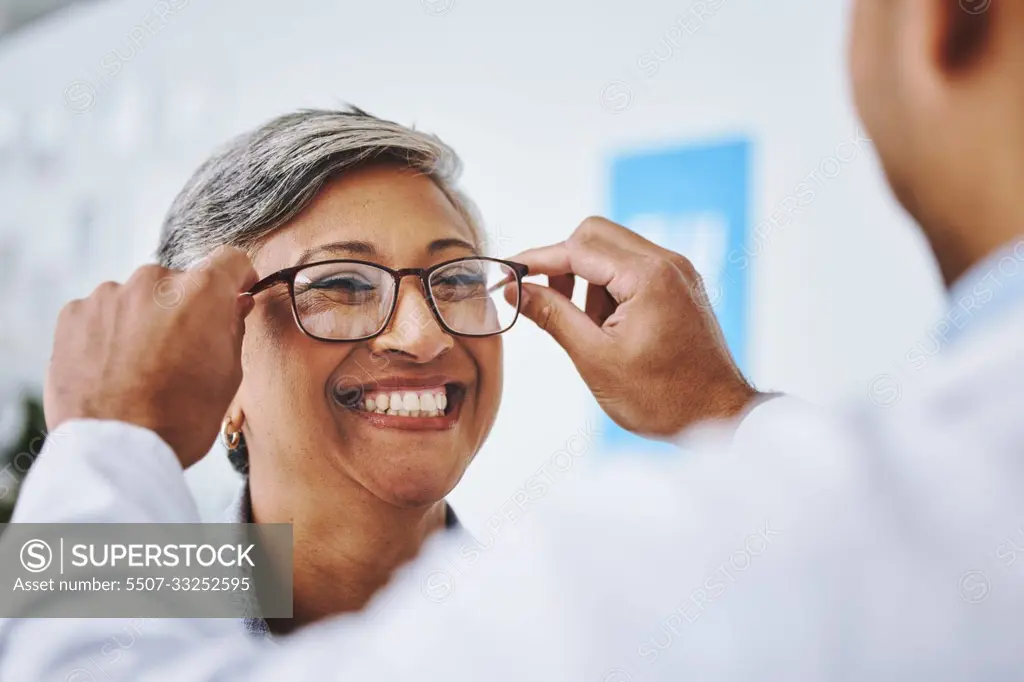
[(301, 431)]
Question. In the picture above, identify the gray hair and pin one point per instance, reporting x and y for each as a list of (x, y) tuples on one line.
[(261, 180)]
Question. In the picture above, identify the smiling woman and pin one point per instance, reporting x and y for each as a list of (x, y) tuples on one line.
[(372, 365)]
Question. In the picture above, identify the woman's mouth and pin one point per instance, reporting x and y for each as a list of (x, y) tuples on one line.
[(409, 407), (429, 402)]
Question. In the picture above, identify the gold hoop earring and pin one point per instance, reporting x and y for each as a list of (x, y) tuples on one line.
[(231, 439)]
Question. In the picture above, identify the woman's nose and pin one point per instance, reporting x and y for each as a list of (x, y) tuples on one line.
[(413, 329)]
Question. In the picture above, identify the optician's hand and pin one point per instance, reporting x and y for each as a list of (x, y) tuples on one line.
[(162, 351), (648, 345)]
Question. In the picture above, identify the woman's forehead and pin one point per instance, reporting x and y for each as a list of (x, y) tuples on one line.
[(382, 214)]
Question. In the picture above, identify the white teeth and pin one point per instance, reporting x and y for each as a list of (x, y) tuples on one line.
[(429, 403)]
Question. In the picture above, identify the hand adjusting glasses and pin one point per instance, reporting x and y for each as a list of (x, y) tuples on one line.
[(353, 300)]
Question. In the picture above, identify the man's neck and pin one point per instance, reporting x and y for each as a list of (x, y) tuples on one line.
[(957, 250), (346, 549)]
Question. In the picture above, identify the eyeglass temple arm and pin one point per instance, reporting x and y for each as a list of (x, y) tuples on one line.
[(267, 282), (521, 271)]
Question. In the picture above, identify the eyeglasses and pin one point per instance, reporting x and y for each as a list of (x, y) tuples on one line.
[(352, 300)]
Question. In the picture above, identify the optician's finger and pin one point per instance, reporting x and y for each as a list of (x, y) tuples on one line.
[(546, 260), (232, 266), (600, 304), (567, 324), (563, 284), (601, 229), (595, 260)]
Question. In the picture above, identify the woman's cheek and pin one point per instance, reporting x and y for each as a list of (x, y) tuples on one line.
[(499, 372), (488, 355)]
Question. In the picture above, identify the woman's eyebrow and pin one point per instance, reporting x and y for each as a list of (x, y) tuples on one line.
[(367, 250), (347, 248), (450, 243)]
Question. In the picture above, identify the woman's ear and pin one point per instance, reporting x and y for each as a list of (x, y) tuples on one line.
[(235, 414)]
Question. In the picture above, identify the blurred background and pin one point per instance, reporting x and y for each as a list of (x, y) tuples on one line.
[(723, 129)]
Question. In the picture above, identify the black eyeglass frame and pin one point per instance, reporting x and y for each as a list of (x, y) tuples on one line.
[(287, 276)]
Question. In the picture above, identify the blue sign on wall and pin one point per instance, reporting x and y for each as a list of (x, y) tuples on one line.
[(694, 200)]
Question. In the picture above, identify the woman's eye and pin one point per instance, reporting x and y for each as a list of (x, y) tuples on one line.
[(466, 279), (352, 285), (462, 286)]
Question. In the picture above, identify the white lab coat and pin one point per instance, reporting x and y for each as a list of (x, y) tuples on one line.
[(871, 543)]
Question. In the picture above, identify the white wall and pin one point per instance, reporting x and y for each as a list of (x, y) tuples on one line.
[(530, 94)]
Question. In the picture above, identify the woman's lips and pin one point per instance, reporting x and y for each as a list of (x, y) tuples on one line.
[(412, 407), (428, 401), (444, 421)]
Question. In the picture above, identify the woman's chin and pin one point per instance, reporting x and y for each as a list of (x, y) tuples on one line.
[(410, 488), (411, 497), (404, 470)]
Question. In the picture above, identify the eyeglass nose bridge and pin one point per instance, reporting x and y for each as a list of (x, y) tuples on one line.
[(423, 275)]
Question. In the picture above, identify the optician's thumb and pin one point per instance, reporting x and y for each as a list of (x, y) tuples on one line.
[(558, 316), (235, 266)]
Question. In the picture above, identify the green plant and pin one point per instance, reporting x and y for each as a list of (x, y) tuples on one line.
[(19, 456)]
